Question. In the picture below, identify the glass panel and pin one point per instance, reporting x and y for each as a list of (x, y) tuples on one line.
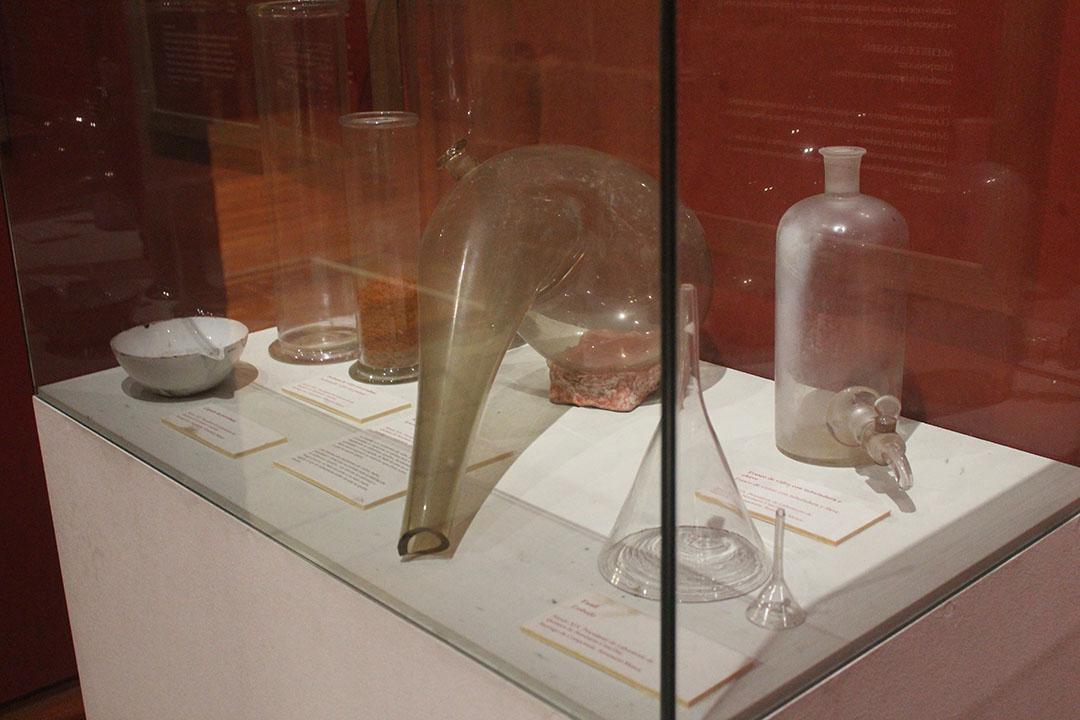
[(968, 124), (136, 191), (142, 188)]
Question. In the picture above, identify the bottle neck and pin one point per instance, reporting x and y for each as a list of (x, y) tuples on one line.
[(842, 169), (456, 161)]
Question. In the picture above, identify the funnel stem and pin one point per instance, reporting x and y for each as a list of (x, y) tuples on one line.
[(778, 545)]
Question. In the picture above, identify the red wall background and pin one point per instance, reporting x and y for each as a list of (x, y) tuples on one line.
[(133, 205), (969, 114), (35, 639)]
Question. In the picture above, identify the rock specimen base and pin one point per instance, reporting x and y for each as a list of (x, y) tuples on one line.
[(622, 390)]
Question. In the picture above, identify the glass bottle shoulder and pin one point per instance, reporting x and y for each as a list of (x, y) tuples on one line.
[(857, 217)]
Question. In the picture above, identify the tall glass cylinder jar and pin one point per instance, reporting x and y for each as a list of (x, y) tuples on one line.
[(382, 184), (300, 74)]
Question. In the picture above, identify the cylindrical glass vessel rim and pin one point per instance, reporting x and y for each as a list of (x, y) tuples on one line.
[(291, 9), (379, 119)]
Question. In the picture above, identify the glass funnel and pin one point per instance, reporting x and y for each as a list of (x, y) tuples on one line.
[(776, 607), (719, 552)]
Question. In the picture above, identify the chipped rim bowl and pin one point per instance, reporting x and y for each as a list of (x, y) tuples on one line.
[(181, 356)]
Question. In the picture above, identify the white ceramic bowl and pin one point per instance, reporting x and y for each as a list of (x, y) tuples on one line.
[(182, 356)]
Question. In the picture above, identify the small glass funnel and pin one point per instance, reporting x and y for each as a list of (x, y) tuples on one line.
[(775, 607), (719, 552)]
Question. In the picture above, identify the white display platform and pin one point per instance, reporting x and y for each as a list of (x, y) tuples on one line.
[(972, 502), (180, 611)]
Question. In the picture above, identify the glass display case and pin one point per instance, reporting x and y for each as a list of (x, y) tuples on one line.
[(156, 185)]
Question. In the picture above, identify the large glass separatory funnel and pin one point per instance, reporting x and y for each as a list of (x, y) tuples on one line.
[(719, 552), (557, 243)]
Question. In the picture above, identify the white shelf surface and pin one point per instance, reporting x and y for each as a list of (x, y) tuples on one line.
[(531, 545)]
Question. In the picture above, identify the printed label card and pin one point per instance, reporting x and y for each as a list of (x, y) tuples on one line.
[(365, 469), (224, 430), (401, 429), (814, 509), (625, 644), (347, 398)]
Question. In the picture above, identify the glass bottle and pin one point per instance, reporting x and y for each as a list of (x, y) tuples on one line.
[(719, 552), (840, 312)]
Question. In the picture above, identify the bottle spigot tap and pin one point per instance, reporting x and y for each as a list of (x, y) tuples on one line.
[(860, 417)]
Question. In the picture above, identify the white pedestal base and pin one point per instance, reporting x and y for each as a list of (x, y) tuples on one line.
[(178, 610)]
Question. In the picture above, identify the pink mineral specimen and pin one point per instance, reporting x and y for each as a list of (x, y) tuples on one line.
[(593, 373)]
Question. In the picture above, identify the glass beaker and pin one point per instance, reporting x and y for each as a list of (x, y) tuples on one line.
[(382, 186), (300, 78), (719, 553)]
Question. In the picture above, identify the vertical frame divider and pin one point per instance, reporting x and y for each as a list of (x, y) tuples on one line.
[(668, 359)]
